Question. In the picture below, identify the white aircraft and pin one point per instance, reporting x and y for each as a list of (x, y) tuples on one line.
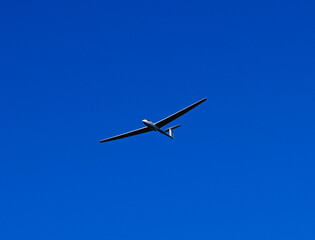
[(150, 126)]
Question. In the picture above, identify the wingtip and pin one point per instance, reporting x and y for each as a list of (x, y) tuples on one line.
[(202, 100)]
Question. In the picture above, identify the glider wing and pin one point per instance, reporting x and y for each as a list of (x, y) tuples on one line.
[(178, 114), (128, 134)]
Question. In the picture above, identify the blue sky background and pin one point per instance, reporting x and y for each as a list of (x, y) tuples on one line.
[(74, 72)]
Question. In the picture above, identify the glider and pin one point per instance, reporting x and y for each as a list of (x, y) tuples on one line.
[(150, 126)]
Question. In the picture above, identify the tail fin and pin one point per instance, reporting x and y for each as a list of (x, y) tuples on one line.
[(169, 131)]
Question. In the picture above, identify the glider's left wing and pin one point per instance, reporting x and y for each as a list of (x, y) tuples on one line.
[(128, 134), (178, 114)]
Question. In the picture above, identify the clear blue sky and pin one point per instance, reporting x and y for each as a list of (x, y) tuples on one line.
[(74, 72)]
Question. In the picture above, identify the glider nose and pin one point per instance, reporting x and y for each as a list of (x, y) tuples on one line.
[(146, 122)]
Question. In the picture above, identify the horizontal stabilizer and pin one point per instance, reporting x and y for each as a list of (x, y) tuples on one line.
[(170, 131), (171, 128)]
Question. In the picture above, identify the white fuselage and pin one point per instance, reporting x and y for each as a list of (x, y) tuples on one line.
[(151, 125)]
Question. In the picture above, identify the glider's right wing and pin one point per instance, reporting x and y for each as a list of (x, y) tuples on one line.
[(128, 134)]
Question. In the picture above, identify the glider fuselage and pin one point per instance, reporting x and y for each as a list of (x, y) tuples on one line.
[(151, 125)]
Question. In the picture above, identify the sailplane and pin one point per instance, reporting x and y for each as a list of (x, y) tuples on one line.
[(151, 126)]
